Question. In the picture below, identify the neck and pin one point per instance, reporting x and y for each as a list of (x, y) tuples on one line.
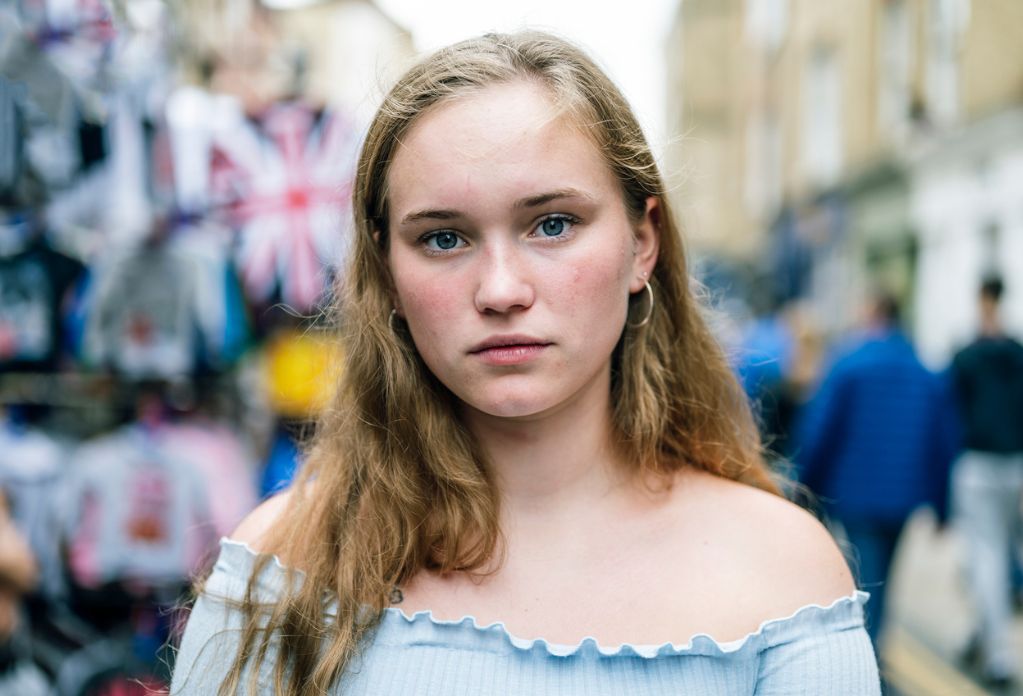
[(555, 464), (878, 327), (989, 324)]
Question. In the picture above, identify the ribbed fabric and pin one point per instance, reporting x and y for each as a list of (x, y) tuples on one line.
[(818, 651)]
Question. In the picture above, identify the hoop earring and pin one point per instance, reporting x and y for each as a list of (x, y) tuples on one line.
[(390, 320), (649, 311)]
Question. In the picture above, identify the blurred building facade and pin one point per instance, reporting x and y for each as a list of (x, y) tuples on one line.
[(835, 146)]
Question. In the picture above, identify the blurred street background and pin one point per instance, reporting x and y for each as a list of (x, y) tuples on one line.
[(175, 182)]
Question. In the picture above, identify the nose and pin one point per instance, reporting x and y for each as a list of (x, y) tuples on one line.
[(504, 283)]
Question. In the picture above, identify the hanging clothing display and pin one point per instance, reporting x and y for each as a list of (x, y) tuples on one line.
[(218, 455), (133, 512), (142, 314), (78, 35), (31, 467), (34, 286), (24, 61), (11, 137), (285, 184), (221, 312), (163, 310), (194, 118), (37, 119), (191, 220)]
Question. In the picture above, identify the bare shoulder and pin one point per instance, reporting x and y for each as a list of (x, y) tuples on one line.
[(779, 556), (253, 530)]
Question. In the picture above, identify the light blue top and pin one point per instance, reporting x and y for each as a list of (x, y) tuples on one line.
[(817, 650)]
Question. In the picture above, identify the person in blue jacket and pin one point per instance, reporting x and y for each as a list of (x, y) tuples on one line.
[(876, 442)]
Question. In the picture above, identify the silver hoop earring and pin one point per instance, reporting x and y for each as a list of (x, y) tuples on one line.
[(390, 320), (649, 311)]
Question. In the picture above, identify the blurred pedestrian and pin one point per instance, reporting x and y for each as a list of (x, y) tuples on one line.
[(763, 359), (875, 443), (987, 479)]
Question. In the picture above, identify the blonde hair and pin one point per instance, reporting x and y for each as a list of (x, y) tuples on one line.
[(394, 482)]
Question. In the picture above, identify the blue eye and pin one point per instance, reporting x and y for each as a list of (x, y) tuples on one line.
[(554, 226), (441, 241)]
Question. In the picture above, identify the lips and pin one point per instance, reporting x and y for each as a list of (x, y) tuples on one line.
[(509, 342), (506, 351)]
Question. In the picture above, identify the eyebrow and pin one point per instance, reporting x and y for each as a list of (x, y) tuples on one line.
[(527, 202), (538, 200), (431, 215)]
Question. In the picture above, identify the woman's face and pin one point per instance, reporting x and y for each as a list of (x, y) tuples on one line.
[(512, 254)]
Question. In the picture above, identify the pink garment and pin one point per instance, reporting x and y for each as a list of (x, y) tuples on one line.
[(229, 472)]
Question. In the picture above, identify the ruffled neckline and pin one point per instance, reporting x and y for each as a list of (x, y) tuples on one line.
[(236, 562)]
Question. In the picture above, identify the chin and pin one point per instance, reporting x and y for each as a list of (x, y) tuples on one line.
[(509, 405)]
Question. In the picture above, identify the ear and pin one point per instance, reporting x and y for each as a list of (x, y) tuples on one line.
[(646, 244)]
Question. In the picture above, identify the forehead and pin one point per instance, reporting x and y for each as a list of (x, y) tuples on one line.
[(500, 141)]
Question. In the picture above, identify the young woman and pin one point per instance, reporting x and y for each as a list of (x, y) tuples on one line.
[(538, 475)]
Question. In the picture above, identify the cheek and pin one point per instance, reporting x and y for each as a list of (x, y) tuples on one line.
[(431, 309), (430, 305), (599, 285), (420, 292)]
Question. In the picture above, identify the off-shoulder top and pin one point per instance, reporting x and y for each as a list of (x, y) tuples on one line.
[(818, 650)]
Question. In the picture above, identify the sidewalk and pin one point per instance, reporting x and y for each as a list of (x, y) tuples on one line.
[(931, 615)]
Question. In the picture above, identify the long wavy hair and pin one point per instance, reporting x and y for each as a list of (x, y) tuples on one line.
[(394, 482)]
